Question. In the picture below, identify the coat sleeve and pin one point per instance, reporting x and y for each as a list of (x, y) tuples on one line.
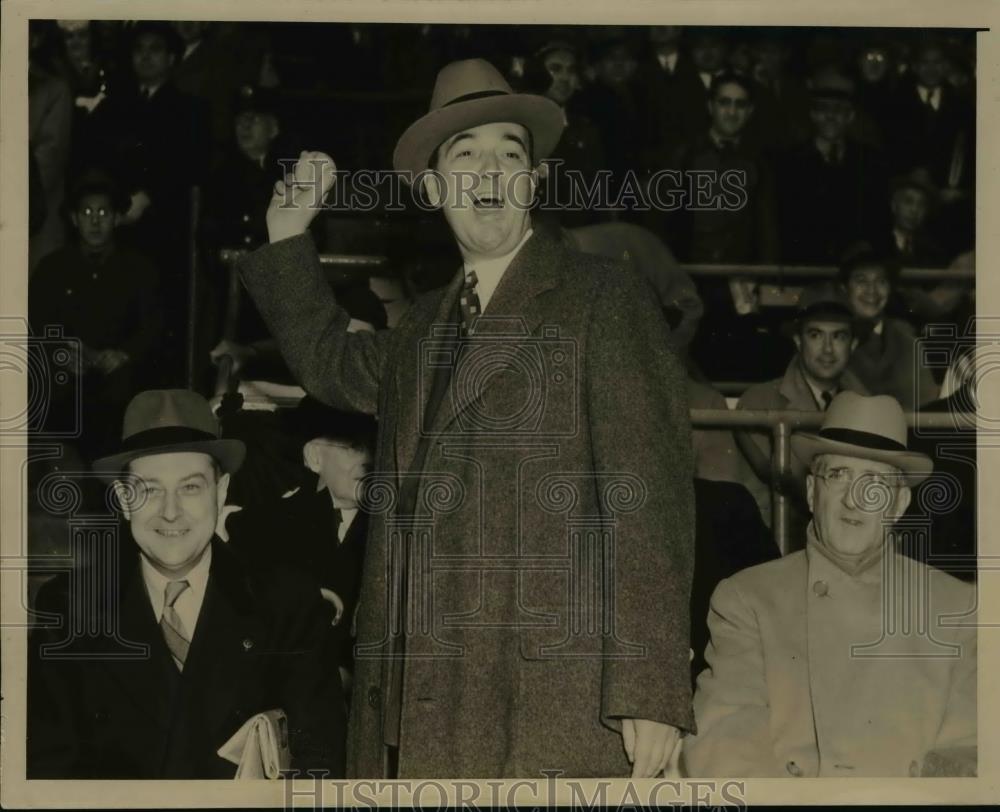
[(338, 368), (640, 426), (731, 703)]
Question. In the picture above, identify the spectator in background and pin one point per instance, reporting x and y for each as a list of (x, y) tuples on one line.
[(781, 106), (906, 241), (720, 225), (50, 117), (318, 526), (218, 59), (932, 124), (613, 104), (875, 72), (830, 186), (886, 359), (106, 296), (154, 137), (707, 49), (553, 71), (662, 70), (824, 335)]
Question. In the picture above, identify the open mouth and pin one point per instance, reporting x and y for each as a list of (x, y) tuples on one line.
[(487, 202), (172, 534)]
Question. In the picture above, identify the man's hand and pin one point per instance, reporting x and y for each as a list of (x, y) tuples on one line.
[(649, 746), (240, 353), (298, 197), (137, 207), (336, 601)]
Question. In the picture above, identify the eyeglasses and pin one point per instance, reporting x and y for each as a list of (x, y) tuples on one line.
[(840, 479)]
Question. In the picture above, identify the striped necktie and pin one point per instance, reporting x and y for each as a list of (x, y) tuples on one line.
[(469, 302), (173, 629)]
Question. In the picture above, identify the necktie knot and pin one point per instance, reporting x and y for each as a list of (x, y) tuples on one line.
[(173, 592)]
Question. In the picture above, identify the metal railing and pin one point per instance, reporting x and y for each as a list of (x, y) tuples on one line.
[(783, 423)]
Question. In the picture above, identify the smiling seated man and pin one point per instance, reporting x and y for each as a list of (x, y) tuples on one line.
[(186, 642), (846, 658)]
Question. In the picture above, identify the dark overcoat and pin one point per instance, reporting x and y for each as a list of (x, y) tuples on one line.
[(108, 706), (549, 551)]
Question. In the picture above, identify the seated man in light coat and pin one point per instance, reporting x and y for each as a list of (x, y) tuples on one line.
[(846, 658)]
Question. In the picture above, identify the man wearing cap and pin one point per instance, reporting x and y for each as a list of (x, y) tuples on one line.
[(103, 296), (846, 659), (493, 679), (823, 332), (191, 642)]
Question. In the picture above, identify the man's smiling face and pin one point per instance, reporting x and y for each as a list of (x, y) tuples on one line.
[(174, 508), (485, 185)]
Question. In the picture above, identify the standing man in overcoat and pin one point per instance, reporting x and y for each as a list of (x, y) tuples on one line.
[(524, 604)]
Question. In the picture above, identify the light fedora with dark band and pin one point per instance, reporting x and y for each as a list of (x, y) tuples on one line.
[(467, 94), (869, 428), (165, 421)]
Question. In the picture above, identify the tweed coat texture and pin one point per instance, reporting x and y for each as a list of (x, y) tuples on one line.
[(815, 673), (262, 642), (551, 598)]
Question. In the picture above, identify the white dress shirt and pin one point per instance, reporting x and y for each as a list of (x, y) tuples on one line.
[(934, 95), (188, 604), (668, 62), (490, 271)]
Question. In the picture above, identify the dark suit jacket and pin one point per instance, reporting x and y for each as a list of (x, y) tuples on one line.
[(297, 531), (920, 136), (118, 708), (485, 691)]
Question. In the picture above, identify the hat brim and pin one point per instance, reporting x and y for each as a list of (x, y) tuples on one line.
[(227, 452), (542, 117), (916, 467)]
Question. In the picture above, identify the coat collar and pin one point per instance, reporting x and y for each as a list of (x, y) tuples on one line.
[(794, 389)]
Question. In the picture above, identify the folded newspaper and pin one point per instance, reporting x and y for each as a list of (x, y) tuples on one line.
[(260, 747)]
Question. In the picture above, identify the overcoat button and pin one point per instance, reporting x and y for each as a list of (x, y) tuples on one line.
[(793, 769), (374, 697), (820, 588)]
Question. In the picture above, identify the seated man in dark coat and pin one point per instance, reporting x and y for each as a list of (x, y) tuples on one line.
[(192, 643), (318, 526)]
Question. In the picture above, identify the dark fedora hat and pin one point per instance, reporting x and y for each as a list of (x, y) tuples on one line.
[(257, 99), (918, 178), (164, 421), (311, 420), (157, 28), (467, 94)]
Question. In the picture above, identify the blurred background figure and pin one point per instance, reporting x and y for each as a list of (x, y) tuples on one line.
[(106, 296), (886, 359), (50, 118), (553, 71)]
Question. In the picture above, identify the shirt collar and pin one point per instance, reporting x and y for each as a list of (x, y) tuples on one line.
[(817, 392), (156, 581), (490, 271), (153, 89), (667, 61)]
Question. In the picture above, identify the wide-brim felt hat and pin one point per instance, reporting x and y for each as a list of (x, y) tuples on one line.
[(467, 94), (165, 421), (868, 428)]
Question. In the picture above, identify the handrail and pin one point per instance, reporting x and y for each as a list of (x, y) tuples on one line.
[(693, 269), (783, 423), (821, 272)]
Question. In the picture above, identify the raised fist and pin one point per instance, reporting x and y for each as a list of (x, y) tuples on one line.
[(298, 197)]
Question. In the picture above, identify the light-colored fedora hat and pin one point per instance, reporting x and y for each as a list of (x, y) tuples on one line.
[(467, 94), (164, 421), (870, 428)]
